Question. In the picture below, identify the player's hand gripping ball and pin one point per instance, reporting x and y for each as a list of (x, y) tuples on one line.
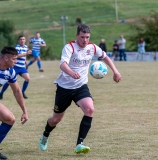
[(98, 70)]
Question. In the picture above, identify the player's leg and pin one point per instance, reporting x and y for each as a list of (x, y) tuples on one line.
[(39, 64), (62, 101), (85, 102), (26, 76), (35, 55), (7, 119), (51, 124), (4, 88), (30, 63), (86, 105)]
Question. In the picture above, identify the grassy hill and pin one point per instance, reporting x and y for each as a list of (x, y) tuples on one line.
[(30, 16)]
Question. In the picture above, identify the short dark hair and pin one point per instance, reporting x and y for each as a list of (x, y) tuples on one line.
[(9, 50), (20, 36), (83, 28)]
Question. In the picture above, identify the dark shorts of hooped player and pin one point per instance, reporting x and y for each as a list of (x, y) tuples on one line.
[(64, 97)]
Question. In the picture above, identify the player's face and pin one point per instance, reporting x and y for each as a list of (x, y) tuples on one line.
[(22, 41), (10, 60), (83, 39), (37, 35)]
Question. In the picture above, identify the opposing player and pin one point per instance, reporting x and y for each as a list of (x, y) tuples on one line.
[(37, 43), (20, 65), (72, 85), (8, 58)]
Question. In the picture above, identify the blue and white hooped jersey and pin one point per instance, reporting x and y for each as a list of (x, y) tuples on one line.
[(21, 50), (7, 75), (36, 43)]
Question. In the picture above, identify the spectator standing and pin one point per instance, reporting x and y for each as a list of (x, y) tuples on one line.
[(141, 49), (121, 43), (115, 50), (102, 45), (37, 43)]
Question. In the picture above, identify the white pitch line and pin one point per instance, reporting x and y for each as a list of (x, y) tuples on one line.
[(21, 79), (41, 76)]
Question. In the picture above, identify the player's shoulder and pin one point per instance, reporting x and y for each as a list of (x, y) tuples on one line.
[(71, 43), (32, 38), (41, 39), (92, 45), (69, 47), (25, 46), (10, 70), (17, 45)]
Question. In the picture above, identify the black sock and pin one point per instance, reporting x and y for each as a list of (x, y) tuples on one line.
[(84, 128), (48, 129)]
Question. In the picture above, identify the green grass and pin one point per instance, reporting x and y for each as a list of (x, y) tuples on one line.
[(31, 16), (124, 125)]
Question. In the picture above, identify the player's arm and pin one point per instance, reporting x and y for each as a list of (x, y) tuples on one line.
[(117, 75), (65, 58), (65, 68), (43, 45), (24, 54), (19, 98)]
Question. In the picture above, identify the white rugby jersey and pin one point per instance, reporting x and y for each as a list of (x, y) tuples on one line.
[(7, 75), (36, 43), (78, 59), (20, 62)]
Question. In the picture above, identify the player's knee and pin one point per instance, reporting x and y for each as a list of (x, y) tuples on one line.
[(27, 79), (89, 111), (11, 120), (55, 120)]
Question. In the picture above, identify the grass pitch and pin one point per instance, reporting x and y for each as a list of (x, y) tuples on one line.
[(124, 126)]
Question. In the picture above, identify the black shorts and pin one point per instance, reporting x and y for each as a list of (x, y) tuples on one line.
[(64, 97)]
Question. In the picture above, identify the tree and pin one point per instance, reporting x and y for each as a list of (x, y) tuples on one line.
[(148, 29), (6, 33)]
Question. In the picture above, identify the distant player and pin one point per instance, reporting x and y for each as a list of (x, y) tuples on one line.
[(72, 85), (8, 56), (20, 66), (37, 43)]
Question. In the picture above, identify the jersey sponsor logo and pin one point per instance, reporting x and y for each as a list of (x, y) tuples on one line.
[(80, 63)]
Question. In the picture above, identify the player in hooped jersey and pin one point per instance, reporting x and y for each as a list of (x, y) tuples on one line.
[(72, 85), (8, 58), (37, 43), (20, 65)]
